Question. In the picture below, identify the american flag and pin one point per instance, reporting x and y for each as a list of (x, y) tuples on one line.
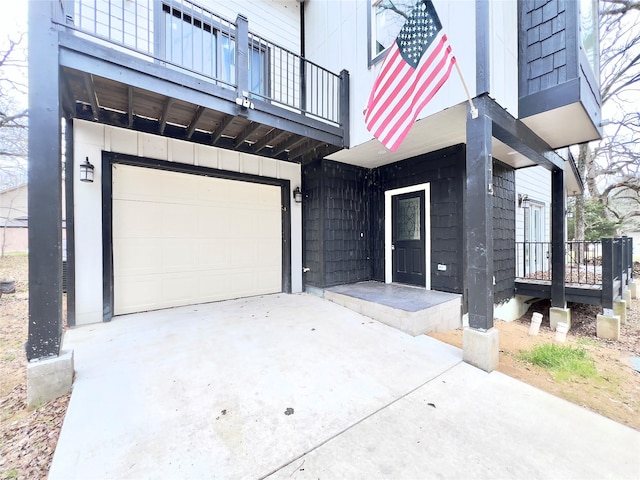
[(418, 63)]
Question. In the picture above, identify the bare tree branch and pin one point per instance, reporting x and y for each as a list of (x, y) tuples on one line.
[(611, 168)]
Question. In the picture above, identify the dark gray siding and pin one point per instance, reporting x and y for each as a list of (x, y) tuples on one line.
[(552, 70), (504, 230), (336, 224), (346, 224), (344, 220), (444, 169), (313, 224), (543, 45)]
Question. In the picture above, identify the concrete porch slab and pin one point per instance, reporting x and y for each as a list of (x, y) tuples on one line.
[(293, 386), (470, 424), (413, 310), (231, 389)]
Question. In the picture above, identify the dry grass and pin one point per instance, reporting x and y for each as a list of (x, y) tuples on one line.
[(28, 437)]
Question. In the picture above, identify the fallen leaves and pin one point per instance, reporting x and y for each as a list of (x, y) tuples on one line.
[(28, 437), (28, 444)]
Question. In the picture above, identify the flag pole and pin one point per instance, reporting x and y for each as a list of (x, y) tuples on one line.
[(474, 110)]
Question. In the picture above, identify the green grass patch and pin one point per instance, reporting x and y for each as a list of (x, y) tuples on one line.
[(11, 474), (563, 361), (590, 342)]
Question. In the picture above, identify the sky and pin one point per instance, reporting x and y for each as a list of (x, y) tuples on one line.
[(13, 18), (13, 22)]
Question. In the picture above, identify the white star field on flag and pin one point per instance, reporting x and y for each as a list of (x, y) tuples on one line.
[(416, 34), (416, 66)]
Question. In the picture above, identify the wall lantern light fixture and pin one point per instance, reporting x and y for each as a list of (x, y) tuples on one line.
[(297, 195), (86, 171), (523, 200)]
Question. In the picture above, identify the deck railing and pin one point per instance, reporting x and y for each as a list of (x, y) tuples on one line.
[(607, 263), (183, 35), (617, 268), (583, 261)]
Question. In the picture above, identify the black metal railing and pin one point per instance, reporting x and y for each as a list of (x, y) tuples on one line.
[(583, 261), (617, 268), (186, 36), (533, 260), (608, 263)]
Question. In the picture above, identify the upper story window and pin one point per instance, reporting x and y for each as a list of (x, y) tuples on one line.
[(206, 47), (197, 44), (386, 20), (589, 33)]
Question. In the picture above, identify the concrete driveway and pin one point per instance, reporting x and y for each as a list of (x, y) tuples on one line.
[(294, 386)]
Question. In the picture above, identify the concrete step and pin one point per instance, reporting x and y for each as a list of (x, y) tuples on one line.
[(411, 309)]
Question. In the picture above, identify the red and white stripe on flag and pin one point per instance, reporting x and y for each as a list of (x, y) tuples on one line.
[(400, 91)]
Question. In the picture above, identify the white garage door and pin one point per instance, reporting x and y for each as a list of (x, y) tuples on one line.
[(182, 239)]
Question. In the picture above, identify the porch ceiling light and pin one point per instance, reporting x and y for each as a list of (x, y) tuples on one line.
[(297, 195), (86, 171)]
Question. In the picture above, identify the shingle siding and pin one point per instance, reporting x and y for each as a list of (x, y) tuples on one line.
[(444, 170), (504, 224), (543, 53), (344, 220), (313, 224), (336, 224)]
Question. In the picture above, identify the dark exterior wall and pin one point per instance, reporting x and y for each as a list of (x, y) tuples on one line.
[(543, 47), (552, 69), (336, 223), (344, 220), (504, 231), (445, 171), (313, 224)]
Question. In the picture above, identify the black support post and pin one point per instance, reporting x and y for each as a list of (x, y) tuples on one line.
[(607, 276), (618, 269), (45, 186), (627, 265), (479, 219), (344, 106), (483, 48), (70, 224), (557, 239), (242, 60)]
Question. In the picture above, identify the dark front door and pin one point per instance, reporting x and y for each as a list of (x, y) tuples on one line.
[(408, 238)]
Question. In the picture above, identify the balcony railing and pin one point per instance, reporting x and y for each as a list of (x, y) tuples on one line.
[(185, 36), (583, 262), (607, 263)]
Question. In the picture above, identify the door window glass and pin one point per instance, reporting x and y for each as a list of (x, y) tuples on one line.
[(408, 219)]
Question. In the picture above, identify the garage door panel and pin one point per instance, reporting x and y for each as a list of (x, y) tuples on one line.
[(213, 254), (244, 224), (243, 253), (269, 224), (138, 256), (140, 184), (180, 239), (213, 287), (137, 294), (213, 221), (179, 220), (214, 191), (266, 280), (243, 283), (178, 188), (270, 252), (179, 255), (178, 290), (137, 219)]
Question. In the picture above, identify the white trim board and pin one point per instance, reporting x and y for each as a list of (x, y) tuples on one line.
[(388, 270)]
